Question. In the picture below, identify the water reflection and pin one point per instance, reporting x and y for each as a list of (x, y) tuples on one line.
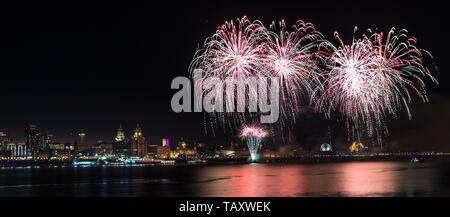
[(249, 180), (335, 179), (367, 179)]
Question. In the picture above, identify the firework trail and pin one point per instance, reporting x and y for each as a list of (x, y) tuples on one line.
[(371, 79), (365, 82), (254, 136), (290, 55), (233, 54), (234, 51), (243, 49)]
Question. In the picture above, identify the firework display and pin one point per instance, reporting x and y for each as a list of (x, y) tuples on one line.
[(234, 52), (254, 136), (290, 55), (364, 82), (243, 49), (371, 78)]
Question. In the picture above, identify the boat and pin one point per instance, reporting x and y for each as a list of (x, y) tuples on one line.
[(417, 160)]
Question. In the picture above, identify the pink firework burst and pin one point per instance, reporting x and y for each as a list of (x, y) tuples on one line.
[(253, 131), (291, 55), (370, 79), (233, 54), (234, 51)]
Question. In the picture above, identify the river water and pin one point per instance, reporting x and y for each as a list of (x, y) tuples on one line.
[(240, 180)]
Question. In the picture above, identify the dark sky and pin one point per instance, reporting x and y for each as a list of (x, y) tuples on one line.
[(93, 66)]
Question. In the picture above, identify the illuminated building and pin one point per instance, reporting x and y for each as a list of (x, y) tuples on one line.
[(162, 152), (69, 146), (102, 148), (151, 150), (356, 147), (165, 142), (32, 137), (182, 150), (4, 155), (121, 145), (47, 141), (181, 143), (325, 147), (59, 154), (81, 145), (57, 146), (181, 153), (4, 139), (18, 149), (120, 135), (138, 143), (43, 154)]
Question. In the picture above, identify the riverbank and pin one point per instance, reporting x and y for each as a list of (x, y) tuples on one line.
[(273, 160)]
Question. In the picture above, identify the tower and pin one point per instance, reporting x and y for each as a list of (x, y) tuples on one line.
[(137, 132), (120, 135), (32, 137), (138, 143), (81, 135)]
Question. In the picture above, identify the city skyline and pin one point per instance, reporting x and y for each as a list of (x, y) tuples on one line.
[(120, 133)]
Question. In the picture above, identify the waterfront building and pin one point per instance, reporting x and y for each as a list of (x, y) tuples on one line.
[(61, 154), (151, 150), (182, 144), (81, 145), (121, 145), (57, 146), (162, 152), (182, 150), (43, 154), (165, 142), (18, 149), (47, 141), (32, 137), (120, 135), (138, 143), (102, 148), (5, 139), (6, 155)]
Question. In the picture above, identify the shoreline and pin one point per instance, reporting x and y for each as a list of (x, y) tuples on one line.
[(233, 161)]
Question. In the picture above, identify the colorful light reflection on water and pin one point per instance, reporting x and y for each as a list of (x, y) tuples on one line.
[(241, 180)]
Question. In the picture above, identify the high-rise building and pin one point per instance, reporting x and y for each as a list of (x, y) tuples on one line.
[(120, 135), (81, 145), (4, 139), (121, 145), (138, 143), (47, 141), (32, 137)]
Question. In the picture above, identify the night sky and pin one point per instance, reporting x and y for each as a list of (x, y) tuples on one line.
[(93, 66)]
